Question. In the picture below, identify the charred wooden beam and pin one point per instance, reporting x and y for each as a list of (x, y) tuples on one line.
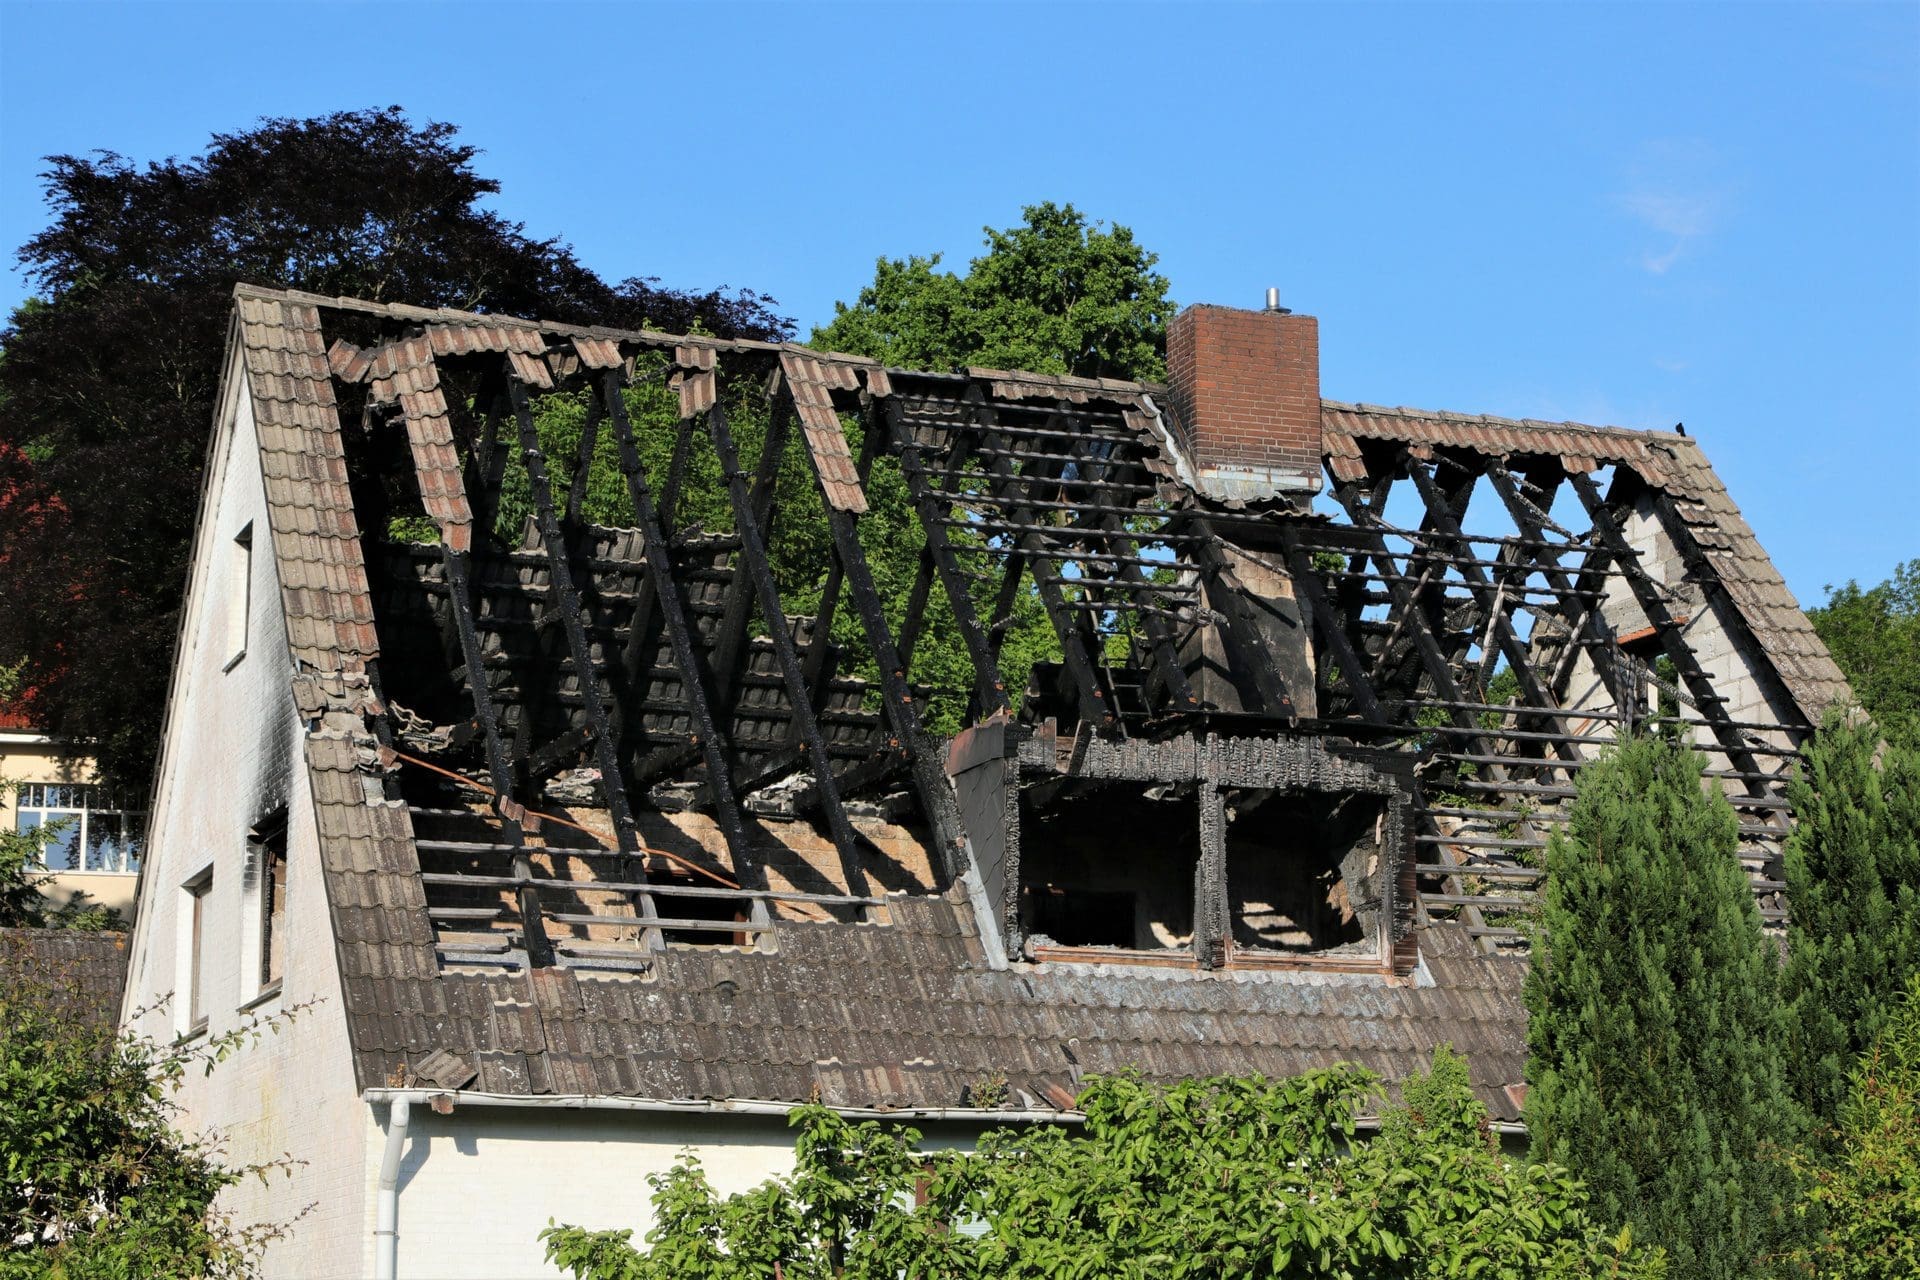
[(1701, 572), (1327, 620), (1495, 617), (710, 741), (989, 687), (1666, 628), (565, 599), (1529, 518), (748, 513), (499, 764), (1438, 669), (1013, 484), (909, 739)]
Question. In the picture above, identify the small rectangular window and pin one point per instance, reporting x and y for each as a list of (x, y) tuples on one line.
[(239, 591), (270, 862), (195, 894)]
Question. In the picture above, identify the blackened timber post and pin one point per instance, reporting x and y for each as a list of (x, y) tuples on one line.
[(564, 598), (748, 513), (708, 738), (910, 740), (533, 927), (1328, 622), (1495, 619), (1228, 599), (1419, 623), (737, 609), (583, 460), (990, 688), (1095, 708), (1666, 628), (1587, 626), (1699, 570)]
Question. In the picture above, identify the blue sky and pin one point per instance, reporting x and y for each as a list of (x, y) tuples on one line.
[(1633, 215)]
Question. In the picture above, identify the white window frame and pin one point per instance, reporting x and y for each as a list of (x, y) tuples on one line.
[(87, 806), (239, 594), (191, 953), (266, 845)]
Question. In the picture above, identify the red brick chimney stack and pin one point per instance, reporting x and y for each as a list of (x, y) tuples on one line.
[(1246, 390)]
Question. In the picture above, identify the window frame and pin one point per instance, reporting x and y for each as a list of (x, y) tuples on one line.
[(239, 595), (196, 893), (85, 804)]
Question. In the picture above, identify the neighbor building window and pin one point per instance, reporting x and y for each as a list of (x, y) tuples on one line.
[(239, 590), (87, 829), (195, 894)]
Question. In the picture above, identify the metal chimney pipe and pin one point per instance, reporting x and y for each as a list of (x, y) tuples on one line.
[(1273, 304)]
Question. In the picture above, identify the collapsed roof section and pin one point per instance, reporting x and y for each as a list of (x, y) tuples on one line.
[(617, 646)]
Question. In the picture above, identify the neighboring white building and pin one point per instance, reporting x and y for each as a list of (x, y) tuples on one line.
[(670, 867)]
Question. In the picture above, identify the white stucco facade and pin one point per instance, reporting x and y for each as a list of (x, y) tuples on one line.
[(477, 1186), (227, 762)]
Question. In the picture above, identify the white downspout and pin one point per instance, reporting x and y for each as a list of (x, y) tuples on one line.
[(386, 1238)]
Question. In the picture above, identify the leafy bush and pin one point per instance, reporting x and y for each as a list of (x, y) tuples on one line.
[(1240, 1177)]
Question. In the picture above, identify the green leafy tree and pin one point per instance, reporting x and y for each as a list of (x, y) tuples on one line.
[(1853, 886), (1056, 294), (1655, 1039), (1868, 1189), (95, 1182), (108, 378), (1874, 634), (1208, 1178)]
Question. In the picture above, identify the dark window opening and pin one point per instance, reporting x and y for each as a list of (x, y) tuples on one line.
[(1111, 865), (1307, 872), (269, 841)]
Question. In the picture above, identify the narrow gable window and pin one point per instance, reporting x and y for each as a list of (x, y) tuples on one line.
[(194, 895), (270, 863), (239, 593)]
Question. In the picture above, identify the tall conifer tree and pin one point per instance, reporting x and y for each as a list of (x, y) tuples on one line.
[(1654, 1041), (1853, 887)]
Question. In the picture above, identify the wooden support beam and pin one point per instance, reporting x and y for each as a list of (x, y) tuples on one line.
[(564, 598), (750, 508), (1420, 628), (709, 739), (1647, 595), (1013, 484), (909, 740), (1327, 621), (1493, 615), (1527, 517)]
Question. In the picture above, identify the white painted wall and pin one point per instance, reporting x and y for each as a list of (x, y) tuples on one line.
[(228, 759), (478, 1186)]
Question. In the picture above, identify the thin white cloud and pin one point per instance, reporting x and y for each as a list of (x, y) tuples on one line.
[(1674, 189)]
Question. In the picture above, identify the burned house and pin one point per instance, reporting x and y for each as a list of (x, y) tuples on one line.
[(625, 736)]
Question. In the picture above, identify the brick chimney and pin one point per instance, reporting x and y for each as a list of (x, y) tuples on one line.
[(1246, 390)]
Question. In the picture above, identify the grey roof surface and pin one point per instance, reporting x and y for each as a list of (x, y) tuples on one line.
[(903, 1014), (81, 972)]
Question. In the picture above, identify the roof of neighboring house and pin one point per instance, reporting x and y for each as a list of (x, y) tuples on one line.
[(911, 1012), (82, 971)]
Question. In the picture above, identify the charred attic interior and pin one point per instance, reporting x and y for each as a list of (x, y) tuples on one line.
[(679, 642)]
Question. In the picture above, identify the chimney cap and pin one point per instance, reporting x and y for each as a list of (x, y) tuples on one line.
[(1273, 303)]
